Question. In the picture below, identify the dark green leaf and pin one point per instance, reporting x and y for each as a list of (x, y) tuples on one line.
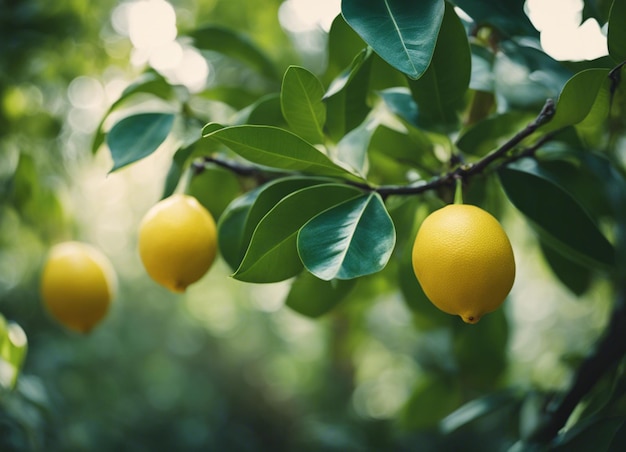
[(508, 16), (176, 170), (231, 228), (577, 98), (234, 45), (594, 434), (352, 239), (559, 218), (313, 297), (272, 255), (476, 409), (266, 112), (214, 188), (617, 31), (402, 33), (440, 91), (138, 136), (401, 103), (574, 276), (482, 68), (302, 106)]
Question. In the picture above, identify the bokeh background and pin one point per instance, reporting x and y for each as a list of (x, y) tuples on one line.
[(225, 366)]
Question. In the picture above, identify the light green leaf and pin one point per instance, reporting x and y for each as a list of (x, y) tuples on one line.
[(617, 31), (403, 33), (577, 98), (301, 101), (277, 148), (272, 254), (13, 348), (353, 239), (440, 91), (138, 136), (352, 148), (313, 297)]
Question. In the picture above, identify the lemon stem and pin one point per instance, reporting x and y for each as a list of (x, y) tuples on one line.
[(458, 194)]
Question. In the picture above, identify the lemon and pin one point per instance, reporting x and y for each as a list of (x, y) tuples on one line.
[(177, 241), (78, 284), (464, 261)]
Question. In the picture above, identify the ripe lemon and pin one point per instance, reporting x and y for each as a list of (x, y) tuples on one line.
[(77, 285), (464, 261), (177, 241)]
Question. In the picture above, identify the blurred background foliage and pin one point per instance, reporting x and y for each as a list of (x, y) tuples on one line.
[(227, 366)]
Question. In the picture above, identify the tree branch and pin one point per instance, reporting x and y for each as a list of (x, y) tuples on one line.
[(463, 171), (609, 350)]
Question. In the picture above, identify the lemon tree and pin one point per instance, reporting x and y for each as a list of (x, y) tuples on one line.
[(338, 179)]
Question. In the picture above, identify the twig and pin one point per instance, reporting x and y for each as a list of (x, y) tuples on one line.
[(609, 350)]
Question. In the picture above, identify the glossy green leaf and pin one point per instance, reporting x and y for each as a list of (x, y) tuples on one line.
[(13, 348), (353, 239), (267, 197), (234, 45), (476, 409), (176, 170), (617, 31), (301, 101), (560, 219), (352, 148), (277, 148), (343, 44), (272, 255), (508, 16), (313, 297), (572, 275), (481, 78), (401, 103), (138, 136), (488, 134), (346, 97), (440, 91), (231, 228), (402, 33), (577, 98), (149, 82)]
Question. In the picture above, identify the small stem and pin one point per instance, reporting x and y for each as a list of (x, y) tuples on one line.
[(458, 194)]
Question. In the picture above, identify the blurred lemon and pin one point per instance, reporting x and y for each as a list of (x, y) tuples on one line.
[(464, 261), (177, 242), (78, 284)]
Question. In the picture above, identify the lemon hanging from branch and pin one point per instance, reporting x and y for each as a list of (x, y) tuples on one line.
[(177, 242), (463, 260)]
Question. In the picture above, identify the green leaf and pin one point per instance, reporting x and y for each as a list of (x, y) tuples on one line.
[(593, 434), (572, 275), (148, 83), (488, 134), (346, 97), (343, 45), (13, 348), (138, 136), (560, 219), (277, 148), (231, 228), (577, 98), (402, 33), (617, 32), (245, 212), (272, 255), (301, 101), (215, 188), (234, 45), (440, 91), (266, 112), (353, 239), (313, 297), (482, 68), (476, 409), (176, 170), (429, 403), (352, 148), (508, 16)]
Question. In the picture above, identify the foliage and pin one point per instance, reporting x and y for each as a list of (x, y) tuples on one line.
[(321, 177)]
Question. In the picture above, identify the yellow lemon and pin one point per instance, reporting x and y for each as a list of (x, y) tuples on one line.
[(464, 261), (177, 241), (77, 285)]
